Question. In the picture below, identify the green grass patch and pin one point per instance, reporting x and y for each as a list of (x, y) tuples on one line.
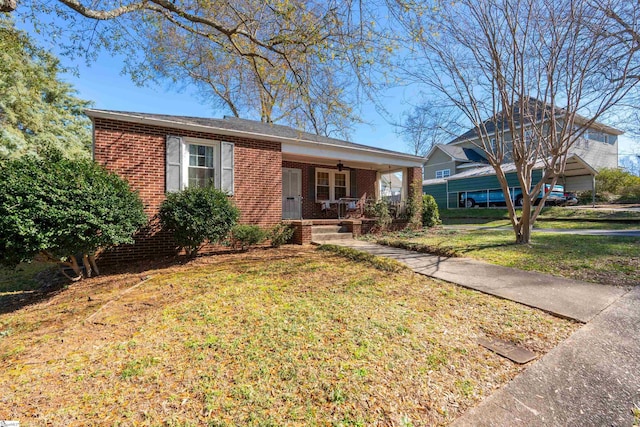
[(549, 212), (577, 224), (600, 259)]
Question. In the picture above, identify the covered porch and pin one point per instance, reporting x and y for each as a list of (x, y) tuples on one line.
[(342, 182)]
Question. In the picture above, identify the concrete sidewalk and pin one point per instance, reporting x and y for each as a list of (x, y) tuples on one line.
[(563, 297), (590, 379)]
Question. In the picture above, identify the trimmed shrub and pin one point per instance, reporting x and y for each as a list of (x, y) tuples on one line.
[(430, 213), (61, 208), (244, 236), (196, 215), (280, 234)]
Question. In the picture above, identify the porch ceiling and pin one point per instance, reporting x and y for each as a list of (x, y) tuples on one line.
[(360, 160)]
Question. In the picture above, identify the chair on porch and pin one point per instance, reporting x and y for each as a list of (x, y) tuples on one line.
[(328, 209), (354, 208)]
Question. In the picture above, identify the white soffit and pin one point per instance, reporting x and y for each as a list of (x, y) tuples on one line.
[(346, 155)]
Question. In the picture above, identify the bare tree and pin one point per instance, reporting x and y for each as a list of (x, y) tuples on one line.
[(531, 76), (427, 125)]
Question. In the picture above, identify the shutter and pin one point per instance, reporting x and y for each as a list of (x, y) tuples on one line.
[(226, 166), (312, 184), (172, 169), (353, 184)]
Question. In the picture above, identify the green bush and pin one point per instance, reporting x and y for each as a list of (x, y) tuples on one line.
[(243, 236), (59, 208), (280, 234), (430, 213), (196, 215), (382, 215), (615, 181), (631, 194)]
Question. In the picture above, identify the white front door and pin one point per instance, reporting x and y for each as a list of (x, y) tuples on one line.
[(291, 193)]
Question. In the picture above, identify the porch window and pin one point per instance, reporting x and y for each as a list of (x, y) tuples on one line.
[(322, 186), (340, 185), (331, 184), (201, 169)]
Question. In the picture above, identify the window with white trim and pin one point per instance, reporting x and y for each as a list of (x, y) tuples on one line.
[(444, 173), (331, 184), (199, 162), (201, 172)]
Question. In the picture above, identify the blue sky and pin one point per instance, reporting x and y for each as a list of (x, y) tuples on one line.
[(103, 83)]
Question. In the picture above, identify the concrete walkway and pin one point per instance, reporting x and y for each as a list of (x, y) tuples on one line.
[(563, 297), (590, 379)]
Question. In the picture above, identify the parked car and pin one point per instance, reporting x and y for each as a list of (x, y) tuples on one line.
[(570, 199), (496, 197)]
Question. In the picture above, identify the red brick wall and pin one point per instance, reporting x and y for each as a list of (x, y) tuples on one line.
[(366, 182), (413, 174), (137, 153)]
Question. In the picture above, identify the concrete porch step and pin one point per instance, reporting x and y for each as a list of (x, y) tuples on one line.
[(328, 237), (324, 229), (325, 233)]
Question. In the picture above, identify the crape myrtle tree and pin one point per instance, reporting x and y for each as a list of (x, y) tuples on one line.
[(64, 209), (531, 74), (299, 62)]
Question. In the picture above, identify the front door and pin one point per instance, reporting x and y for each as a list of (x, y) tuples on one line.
[(291, 193)]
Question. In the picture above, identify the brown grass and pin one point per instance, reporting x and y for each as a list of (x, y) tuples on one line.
[(291, 336)]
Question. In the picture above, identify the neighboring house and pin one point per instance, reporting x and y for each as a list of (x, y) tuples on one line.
[(391, 187), (272, 172), (461, 166)]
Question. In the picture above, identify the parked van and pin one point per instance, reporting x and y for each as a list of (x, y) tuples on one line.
[(470, 199)]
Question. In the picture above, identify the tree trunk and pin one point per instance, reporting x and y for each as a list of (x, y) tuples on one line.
[(73, 263), (87, 265), (94, 266), (8, 5), (523, 230)]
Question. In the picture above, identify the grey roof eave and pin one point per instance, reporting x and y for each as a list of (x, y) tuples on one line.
[(344, 145)]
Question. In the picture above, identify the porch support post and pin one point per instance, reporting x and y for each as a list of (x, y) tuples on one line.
[(406, 183), (376, 194)]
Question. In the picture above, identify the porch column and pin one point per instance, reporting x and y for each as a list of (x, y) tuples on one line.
[(406, 184), (376, 194)]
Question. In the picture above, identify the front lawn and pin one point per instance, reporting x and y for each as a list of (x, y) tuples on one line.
[(600, 259), (292, 336)]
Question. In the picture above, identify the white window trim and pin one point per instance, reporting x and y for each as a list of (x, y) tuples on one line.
[(218, 161), (444, 173), (185, 156), (332, 183)]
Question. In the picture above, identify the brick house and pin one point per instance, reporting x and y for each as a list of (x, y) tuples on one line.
[(272, 172)]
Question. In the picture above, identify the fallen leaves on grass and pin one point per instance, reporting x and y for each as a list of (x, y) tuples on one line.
[(291, 336)]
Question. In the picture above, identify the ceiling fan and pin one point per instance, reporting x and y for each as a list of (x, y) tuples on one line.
[(342, 167)]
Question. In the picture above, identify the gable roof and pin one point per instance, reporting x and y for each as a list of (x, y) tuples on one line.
[(243, 127), (463, 154), (535, 110)]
